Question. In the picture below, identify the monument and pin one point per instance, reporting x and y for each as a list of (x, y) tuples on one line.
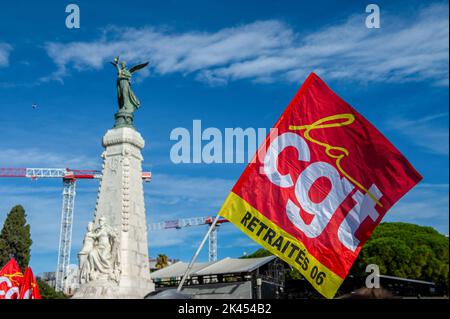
[(114, 261)]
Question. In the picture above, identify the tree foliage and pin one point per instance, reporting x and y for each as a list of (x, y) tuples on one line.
[(406, 250), (401, 250), (259, 253), (162, 261), (47, 291), (15, 238)]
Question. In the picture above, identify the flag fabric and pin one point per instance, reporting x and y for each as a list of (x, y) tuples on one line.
[(318, 186), (29, 288), (11, 278)]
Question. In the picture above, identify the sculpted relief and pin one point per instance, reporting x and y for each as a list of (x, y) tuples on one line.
[(99, 258)]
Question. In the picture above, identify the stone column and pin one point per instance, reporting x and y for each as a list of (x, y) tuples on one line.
[(120, 202)]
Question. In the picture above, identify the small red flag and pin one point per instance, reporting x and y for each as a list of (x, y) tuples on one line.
[(11, 278), (29, 288)]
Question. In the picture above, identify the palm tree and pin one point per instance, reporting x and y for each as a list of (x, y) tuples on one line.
[(162, 261)]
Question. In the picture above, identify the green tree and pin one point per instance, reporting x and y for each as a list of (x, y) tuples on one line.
[(15, 238), (259, 253), (401, 250), (162, 261), (47, 291), (406, 250)]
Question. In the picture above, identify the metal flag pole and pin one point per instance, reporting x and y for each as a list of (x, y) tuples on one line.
[(194, 258)]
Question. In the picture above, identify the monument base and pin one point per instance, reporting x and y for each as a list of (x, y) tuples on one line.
[(100, 289)]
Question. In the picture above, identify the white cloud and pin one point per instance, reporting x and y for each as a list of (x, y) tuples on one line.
[(178, 196), (5, 50), (243, 242), (182, 186), (170, 197), (33, 157), (424, 132), (426, 204), (176, 237), (413, 48)]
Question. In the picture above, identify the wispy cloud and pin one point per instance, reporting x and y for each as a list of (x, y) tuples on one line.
[(180, 196), (412, 48), (171, 197), (5, 50), (33, 157), (424, 132), (176, 237), (426, 204), (183, 186)]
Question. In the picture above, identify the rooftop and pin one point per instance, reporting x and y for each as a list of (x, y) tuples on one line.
[(177, 270), (224, 266)]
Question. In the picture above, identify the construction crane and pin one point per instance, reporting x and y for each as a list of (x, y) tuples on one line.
[(194, 221), (69, 178)]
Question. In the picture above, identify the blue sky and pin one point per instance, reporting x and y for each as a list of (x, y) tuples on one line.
[(229, 64)]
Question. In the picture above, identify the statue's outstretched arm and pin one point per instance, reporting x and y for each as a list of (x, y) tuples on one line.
[(116, 63)]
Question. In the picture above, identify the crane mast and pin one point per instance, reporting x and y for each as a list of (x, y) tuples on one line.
[(65, 239)]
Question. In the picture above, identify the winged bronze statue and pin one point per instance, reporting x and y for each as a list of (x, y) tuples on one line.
[(127, 100)]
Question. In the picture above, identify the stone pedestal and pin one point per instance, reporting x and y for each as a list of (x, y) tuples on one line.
[(120, 202)]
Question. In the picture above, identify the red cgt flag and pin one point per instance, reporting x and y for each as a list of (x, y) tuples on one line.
[(318, 186), (29, 288), (11, 278)]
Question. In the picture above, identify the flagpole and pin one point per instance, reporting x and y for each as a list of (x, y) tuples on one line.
[(194, 258)]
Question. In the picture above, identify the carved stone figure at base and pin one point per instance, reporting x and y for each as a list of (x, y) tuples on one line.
[(88, 245), (99, 258)]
